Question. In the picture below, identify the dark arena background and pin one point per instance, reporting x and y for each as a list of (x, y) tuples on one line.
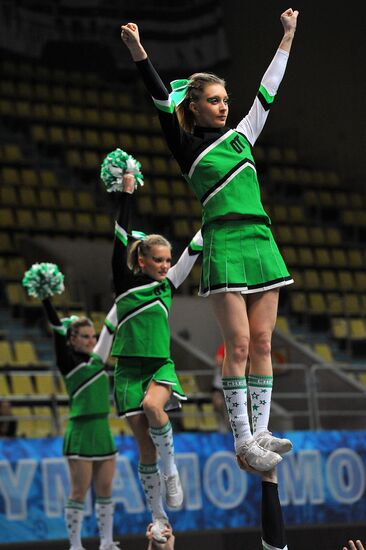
[(70, 94)]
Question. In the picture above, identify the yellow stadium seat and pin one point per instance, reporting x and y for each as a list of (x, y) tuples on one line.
[(355, 258), (181, 207), (8, 196), (345, 280), (324, 351), (328, 280), (109, 140), (75, 115), (91, 160), (12, 152), (279, 213), (357, 329), (160, 165), (29, 177), (28, 197), (10, 176), (195, 208), (7, 218), (15, 268), (48, 178), (333, 236), (339, 258), (208, 420), (21, 384), (44, 424), (66, 199), (92, 138), (85, 200), (45, 384), (317, 303), (73, 158), (145, 205), (4, 386), (84, 221), (64, 221), (322, 257), (47, 198), (25, 218), (311, 279), (182, 229), (45, 219), (317, 235), (56, 135), (103, 224), (6, 244), (41, 111), (6, 354), (125, 141), (352, 304), (41, 91), (339, 328), (142, 121), (25, 353), (298, 302), (58, 94), (282, 324), (163, 206), (290, 255), (360, 281), (143, 143), (161, 186), (74, 136), (334, 303), (190, 416), (305, 256)]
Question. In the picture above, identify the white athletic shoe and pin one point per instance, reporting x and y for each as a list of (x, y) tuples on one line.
[(174, 491), (257, 457), (110, 546), (271, 443), (157, 529)]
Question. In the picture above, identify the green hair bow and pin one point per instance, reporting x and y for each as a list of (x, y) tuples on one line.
[(179, 90), (138, 235)]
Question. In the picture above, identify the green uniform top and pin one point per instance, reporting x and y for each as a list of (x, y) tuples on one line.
[(142, 303)]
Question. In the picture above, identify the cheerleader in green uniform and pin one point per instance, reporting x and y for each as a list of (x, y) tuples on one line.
[(88, 443), (242, 267), (146, 384)]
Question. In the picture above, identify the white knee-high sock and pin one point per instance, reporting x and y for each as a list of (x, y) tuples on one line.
[(74, 512), (260, 389), (235, 392), (163, 441), (150, 479), (104, 509)]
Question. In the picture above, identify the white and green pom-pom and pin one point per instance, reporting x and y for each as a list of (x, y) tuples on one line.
[(115, 165), (43, 280)]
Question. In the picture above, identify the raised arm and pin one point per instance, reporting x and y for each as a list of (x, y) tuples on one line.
[(121, 273), (174, 134), (59, 335), (104, 344), (180, 271), (252, 125)]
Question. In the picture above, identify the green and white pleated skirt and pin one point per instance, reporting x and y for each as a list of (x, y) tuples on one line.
[(240, 256)]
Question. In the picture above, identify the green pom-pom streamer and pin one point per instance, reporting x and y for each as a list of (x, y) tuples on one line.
[(115, 165), (43, 280)]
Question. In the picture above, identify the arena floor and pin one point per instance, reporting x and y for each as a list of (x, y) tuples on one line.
[(308, 538)]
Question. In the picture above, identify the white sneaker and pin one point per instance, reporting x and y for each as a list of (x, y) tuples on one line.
[(257, 457), (174, 491), (110, 546), (157, 529), (271, 443)]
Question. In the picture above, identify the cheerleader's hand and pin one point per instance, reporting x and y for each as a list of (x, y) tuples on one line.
[(289, 20), (128, 183), (354, 545), (131, 38)]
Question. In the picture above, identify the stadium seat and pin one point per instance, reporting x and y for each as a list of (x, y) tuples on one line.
[(25, 353), (21, 384), (324, 351), (6, 354), (45, 384), (190, 417), (208, 422)]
